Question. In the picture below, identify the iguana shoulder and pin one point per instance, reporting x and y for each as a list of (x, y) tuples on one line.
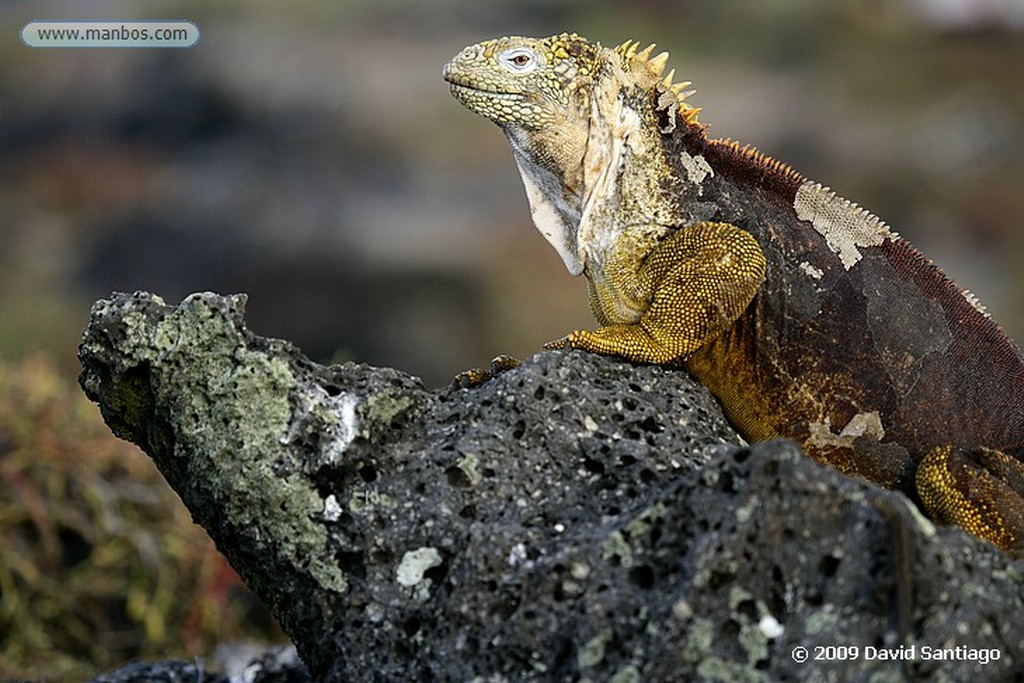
[(807, 316)]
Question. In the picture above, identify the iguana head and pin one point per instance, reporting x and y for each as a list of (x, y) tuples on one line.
[(568, 107), (528, 82)]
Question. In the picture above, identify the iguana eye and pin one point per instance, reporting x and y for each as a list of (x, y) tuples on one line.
[(519, 60)]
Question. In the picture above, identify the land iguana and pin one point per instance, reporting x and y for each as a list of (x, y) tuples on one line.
[(805, 315)]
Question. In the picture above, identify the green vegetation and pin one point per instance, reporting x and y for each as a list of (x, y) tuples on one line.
[(101, 562)]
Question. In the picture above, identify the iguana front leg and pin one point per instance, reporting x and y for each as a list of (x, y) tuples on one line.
[(661, 305)]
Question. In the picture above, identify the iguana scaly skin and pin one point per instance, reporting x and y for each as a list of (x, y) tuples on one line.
[(804, 314)]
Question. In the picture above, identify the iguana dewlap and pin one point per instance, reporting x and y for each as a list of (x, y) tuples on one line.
[(805, 315)]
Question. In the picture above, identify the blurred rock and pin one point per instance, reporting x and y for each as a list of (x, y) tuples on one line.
[(268, 665)]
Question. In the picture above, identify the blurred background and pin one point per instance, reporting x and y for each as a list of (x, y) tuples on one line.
[(309, 154)]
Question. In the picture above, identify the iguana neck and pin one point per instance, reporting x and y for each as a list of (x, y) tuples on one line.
[(552, 175), (604, 173), (584, 122)]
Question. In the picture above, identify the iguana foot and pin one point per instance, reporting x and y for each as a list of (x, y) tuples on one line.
[(981, 490), (628, 341), (474, 377)]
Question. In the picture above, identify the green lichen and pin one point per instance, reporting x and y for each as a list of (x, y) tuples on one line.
[(366, 500), (746, 512), (699, 638), (382, 408), (616, 546), (415, 563), (738, 595), (1011, 573), (592, 652), (896, 674), (751, 636), (646, 520), (730, 566), (754, 642), (718, 669), (629, 674), (131, 402), (230, 408), (470, 466), (821, 621)]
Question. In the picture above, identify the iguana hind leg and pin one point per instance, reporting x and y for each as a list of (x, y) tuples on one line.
[(981, 490), (694, 283)]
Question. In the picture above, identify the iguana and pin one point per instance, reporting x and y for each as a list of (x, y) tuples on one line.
[(805, 315)]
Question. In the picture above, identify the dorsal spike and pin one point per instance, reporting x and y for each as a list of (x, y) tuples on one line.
[(657, 64), (668, 79), (628, 48), (645, 54)]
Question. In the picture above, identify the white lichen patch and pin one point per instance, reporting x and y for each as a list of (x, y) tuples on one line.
[(517, 555), (332, 418), (810, 271), (770, 627), (697, 168), (846, 227), (415, 563), (332, 509)]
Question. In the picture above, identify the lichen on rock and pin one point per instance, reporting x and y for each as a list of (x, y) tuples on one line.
[(577, 517)]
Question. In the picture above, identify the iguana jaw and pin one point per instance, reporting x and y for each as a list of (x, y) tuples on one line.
[(472, 97)]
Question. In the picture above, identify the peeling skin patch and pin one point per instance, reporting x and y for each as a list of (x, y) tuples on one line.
[(861, 424), (415, 563), (697, 168), (811, 271), (555, 217), (668, 103), (846, 227)]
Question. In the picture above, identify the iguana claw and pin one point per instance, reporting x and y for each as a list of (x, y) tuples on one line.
[(474, 377), (563, 344)]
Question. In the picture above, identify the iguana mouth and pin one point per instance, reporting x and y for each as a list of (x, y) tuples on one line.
[(458, 89)]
